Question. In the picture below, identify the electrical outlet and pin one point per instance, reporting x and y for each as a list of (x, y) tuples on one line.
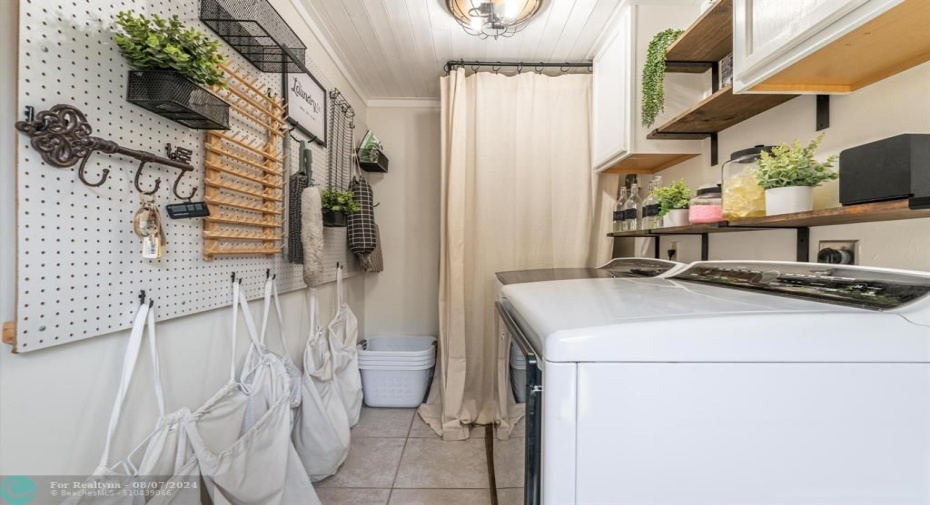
[(841, 252)]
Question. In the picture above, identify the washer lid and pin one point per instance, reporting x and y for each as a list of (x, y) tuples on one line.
[(669, 320)]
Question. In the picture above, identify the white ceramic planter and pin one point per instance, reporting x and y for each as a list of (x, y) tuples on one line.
[(677, 217), (789, 200)]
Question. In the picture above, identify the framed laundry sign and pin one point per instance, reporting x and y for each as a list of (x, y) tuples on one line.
[(306, 105)]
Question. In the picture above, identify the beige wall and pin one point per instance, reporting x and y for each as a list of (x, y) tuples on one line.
[(55, 403), (899, 104), (403, 300)]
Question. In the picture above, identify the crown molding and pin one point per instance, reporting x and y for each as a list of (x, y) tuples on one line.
[(323, 36), (421, 103)]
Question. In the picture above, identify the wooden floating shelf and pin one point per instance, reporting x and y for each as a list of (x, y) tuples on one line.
[(708, 40), (716, 113), (648, 163), (852, 214)]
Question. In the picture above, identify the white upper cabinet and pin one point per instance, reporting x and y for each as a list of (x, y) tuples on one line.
[(610, 92), (825, 46), (619, 142)]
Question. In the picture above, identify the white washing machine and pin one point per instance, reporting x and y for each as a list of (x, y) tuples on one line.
[(729, 383)]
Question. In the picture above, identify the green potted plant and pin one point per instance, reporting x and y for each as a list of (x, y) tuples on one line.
[(336, 203), (654, 75), (789, 175), (674, 201), (172, 64)]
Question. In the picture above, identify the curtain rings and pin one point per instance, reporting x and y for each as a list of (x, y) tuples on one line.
[(519, 68), (496, 68), (539, 68), (103, 178), (564, 68)]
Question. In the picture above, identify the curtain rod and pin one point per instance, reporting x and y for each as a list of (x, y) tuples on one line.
[(497, 65)]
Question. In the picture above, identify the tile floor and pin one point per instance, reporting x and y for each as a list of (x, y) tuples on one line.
[(508, 466), (396, 459)]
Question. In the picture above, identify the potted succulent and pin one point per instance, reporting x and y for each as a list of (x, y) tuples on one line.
[(789, 175), (171, 64), (336, 203), (654, 75), (674, 201)]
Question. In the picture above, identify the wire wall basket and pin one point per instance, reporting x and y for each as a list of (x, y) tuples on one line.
[(256, 30)]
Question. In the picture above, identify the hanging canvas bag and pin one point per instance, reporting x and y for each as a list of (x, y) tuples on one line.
[(321, 429), (165, 451), (241, 436), (343, 339)]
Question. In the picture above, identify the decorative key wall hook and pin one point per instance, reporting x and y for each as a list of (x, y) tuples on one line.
[(62, 136)]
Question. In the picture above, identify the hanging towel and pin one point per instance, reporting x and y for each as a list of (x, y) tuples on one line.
[(343, 339), (311, 235), (362, 238), (321, 430), (298, 182)]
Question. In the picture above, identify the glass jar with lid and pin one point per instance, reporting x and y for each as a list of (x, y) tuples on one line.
[(706, 206), (742, 194)]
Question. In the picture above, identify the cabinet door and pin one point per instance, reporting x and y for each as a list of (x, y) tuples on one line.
[(611, 95), (770, 35)]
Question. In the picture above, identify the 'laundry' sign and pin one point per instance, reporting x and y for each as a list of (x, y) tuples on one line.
[(307, 104)]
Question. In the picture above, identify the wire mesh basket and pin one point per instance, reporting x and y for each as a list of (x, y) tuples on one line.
[(256, 30), (171, 95)]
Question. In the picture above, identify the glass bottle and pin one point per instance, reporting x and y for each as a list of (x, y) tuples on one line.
[(618, 210), (651, 206), (631, 209)]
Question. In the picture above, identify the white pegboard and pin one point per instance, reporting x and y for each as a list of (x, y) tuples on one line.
[(79, 264)]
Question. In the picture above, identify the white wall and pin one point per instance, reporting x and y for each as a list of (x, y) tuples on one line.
[(403, 300), (899, 104), (55, 403)]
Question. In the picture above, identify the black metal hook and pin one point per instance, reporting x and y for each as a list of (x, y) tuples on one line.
[(103, 178), (234, 277), (539, 69), (174, 189), (142, 297), (151, 302), (496, 68), (136, 180)]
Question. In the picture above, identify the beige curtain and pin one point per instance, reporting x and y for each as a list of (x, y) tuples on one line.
[(517, 193)]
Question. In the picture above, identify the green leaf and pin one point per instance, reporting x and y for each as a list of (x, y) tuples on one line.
[(653, 102)]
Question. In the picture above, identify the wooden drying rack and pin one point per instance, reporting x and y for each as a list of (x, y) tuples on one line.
[(245, 176)]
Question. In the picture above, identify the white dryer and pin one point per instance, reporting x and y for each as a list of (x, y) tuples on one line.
[(729, 383)]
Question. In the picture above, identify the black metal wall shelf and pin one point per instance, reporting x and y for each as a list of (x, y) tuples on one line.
[(802, 222), (256, 30)]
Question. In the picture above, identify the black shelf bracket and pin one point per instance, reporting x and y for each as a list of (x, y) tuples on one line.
[(823, 112), (713, 149)]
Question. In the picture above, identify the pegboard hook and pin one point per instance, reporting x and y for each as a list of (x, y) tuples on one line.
[(142, 297), (174, 189), (103, 178), (136, 180)]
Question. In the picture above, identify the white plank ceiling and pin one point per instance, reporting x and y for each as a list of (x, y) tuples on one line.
[(397, 48)]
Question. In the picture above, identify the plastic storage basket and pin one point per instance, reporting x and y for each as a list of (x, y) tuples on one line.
[(396, 371)]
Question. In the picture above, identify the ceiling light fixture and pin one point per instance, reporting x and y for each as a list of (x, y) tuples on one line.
[(493, 18)]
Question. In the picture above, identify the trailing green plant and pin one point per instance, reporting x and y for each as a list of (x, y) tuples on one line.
[(794, 165), (339, 201), (654, 75), (156, 43), (675, 196)]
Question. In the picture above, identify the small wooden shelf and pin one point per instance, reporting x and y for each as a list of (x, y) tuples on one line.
[(708, 40), (853, 214), (716, 113), (647, 163)]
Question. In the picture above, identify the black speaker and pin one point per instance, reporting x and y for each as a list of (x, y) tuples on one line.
[(890, 169)]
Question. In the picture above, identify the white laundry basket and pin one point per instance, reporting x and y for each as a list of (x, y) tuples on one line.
[(396, 371)]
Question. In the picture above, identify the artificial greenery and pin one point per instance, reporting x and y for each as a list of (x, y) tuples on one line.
[(794, 165), (654, 75), (673, 197), (163, 44), (339, 201)]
